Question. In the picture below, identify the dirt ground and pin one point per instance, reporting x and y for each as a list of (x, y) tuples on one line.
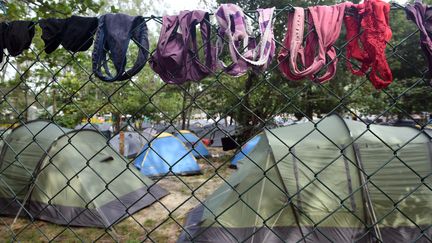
[(161, 222)]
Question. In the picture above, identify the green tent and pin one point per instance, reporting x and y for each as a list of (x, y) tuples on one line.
[(3, 135), (332, 181), (69, 178)]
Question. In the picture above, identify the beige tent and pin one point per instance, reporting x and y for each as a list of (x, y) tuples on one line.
[(69, 178), (332, 181)]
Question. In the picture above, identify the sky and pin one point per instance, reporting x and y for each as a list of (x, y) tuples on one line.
[(174, 6)]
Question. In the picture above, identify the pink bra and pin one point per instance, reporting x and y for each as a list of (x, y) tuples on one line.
[(318, 51)]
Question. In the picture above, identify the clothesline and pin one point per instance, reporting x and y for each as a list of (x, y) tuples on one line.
[(289, 8), (173, 60)]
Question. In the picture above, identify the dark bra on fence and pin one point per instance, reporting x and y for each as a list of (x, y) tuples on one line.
[(16, 37), (74, 34), (114, 33)]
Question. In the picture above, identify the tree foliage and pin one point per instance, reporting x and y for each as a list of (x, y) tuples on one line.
[(345, 94), (61, 84)]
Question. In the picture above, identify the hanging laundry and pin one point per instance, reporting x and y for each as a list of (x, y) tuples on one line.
[(113, 36), (233, 26), (421, 15), (74, 34), (17, 36), (79, 32), (52, 30), (372, 17), (176, 58), (3, 27), (318, 51)]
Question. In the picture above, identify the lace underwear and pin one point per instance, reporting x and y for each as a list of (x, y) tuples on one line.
[(373, 17)]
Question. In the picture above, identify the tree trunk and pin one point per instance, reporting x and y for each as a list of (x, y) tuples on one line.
[(54, 108), (26, 114), (116, 120), (189, 117), (245, 117), (184, 114), (309, 104)]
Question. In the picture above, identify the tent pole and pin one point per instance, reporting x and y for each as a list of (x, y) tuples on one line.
[(296, 217), (24, 202), (365, 189), (32, 186), (116, 235), (366, 195)]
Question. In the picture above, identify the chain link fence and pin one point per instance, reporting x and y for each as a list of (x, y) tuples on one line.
[(309, 176)]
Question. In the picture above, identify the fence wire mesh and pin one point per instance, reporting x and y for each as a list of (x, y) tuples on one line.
[(74, 171)]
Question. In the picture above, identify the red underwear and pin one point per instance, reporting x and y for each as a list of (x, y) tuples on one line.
[(373, 17)]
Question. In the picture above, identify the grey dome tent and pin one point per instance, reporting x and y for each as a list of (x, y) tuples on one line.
[(161, 128), (216, 133), (338, 182), (77, 179), (103, 128), (150, 132), (132, 144)]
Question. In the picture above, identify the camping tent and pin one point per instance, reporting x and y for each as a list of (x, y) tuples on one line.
[(3, 136), (193, 143), (150, 132), (164, 155), (428, 131), (103, 128), (69, 178), (90, 126), (245, 150), (145, 125), (197, 126), (132, 144), (336, 182), (216, 133), (168, 128)]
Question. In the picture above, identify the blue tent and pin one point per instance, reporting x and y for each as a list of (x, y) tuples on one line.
[(246, 149), (193, 143), (166, 154)]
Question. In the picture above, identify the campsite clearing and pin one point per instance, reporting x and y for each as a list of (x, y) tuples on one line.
[(134, 229)]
